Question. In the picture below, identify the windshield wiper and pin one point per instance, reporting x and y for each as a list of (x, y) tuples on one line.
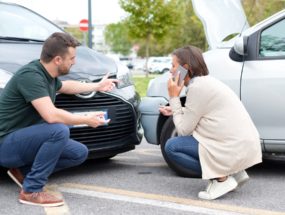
[(20, 39)]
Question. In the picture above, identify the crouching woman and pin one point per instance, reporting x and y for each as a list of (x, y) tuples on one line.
[(217, 138)]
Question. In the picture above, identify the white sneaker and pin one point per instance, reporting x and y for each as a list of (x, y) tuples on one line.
[(217, 189), (241, 177), (210, 182)]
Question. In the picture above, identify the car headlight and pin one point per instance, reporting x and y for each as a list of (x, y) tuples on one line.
[(124, 76), (125, 80)]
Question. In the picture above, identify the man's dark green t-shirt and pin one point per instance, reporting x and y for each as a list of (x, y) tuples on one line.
[(31, 82)]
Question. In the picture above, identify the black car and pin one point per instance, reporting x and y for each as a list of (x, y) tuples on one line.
[(22, 33)]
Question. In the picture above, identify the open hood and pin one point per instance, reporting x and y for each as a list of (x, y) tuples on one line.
[(220, 19)]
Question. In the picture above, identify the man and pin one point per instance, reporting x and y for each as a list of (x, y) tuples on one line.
[(34, 134)]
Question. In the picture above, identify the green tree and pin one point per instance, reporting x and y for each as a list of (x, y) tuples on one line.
[(79, 35), (188, 30), (257, 10), (116, 36), (74, 31), (149, 19)]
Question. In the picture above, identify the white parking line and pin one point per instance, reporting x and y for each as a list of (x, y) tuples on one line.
[(143, 201), (170, 202)]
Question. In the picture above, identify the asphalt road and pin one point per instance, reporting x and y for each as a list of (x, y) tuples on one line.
[(140, 182)]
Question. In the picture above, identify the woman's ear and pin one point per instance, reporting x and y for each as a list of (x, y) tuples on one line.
[(186, 66)]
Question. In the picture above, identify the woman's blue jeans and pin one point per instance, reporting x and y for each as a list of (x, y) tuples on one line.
[(184, 151), (40, 150)]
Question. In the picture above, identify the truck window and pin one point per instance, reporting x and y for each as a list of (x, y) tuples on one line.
[(272, 40)]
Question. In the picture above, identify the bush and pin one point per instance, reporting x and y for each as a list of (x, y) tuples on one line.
[(141, 83)]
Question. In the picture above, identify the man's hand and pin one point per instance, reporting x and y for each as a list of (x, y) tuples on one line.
[(107, 84), (96, 119)]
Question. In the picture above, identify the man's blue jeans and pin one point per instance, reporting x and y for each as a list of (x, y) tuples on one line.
[(184, 151), (40, 150)]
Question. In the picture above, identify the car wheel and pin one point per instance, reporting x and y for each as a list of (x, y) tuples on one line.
[(168, 131)]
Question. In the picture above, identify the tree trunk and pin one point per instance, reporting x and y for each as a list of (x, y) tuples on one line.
[(147, 55)]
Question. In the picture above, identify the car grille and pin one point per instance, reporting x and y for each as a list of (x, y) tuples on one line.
[(121, 113)]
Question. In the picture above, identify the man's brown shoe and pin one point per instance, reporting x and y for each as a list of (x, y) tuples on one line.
[(40, 198), (16, 176)]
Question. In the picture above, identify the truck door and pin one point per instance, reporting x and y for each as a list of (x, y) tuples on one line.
[(263, 84)]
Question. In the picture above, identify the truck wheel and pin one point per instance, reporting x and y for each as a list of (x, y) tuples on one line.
[(168, 131)]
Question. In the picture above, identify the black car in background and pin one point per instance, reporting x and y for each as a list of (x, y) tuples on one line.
[(22, 33)]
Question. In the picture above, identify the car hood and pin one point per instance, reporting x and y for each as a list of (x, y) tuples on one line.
[(220, 19), (89, 66)]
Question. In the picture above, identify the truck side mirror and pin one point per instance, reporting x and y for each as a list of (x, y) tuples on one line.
[(240, 45), (239, 50)]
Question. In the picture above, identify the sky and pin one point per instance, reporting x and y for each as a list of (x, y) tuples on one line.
[(72, 11)]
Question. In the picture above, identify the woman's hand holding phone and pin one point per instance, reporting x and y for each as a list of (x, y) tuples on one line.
[(173, 88), (176, 83), (182, 74)]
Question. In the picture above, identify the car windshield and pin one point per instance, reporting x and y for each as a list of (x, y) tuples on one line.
[(22, 33), (23, 23)]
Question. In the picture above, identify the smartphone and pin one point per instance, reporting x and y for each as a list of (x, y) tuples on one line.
[(182, 73)]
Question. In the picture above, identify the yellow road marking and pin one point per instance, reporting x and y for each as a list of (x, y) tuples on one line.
[(172, 199), (61, 210)]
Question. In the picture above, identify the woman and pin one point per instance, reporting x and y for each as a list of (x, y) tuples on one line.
[(217, 138)]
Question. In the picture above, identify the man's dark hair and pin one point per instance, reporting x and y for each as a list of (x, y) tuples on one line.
[(193, 58), (57, 44)]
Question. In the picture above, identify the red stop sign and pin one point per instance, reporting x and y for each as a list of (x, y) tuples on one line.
[(83, 25)]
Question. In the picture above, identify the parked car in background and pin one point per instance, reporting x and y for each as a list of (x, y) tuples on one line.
[(128, 61), (139, 64), (159, 64), (252, 64), (22, 33)]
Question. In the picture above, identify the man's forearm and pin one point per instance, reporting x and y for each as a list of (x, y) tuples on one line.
[(75, 87), (65, 117)]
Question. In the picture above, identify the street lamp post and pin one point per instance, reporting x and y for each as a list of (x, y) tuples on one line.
[(89, 24)]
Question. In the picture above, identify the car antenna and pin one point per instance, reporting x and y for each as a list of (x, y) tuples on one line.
[(245, 22)]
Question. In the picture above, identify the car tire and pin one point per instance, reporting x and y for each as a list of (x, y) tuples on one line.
[(168, 131)]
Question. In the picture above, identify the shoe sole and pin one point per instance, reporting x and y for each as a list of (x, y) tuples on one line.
[(14, 179), (43, 205)]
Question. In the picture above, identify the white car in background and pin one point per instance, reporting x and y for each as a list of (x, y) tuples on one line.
[(159, 64), (252, 64), (128, 61), (139, 64)]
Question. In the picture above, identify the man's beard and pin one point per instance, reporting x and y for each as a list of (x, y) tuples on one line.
[(63, 71)]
